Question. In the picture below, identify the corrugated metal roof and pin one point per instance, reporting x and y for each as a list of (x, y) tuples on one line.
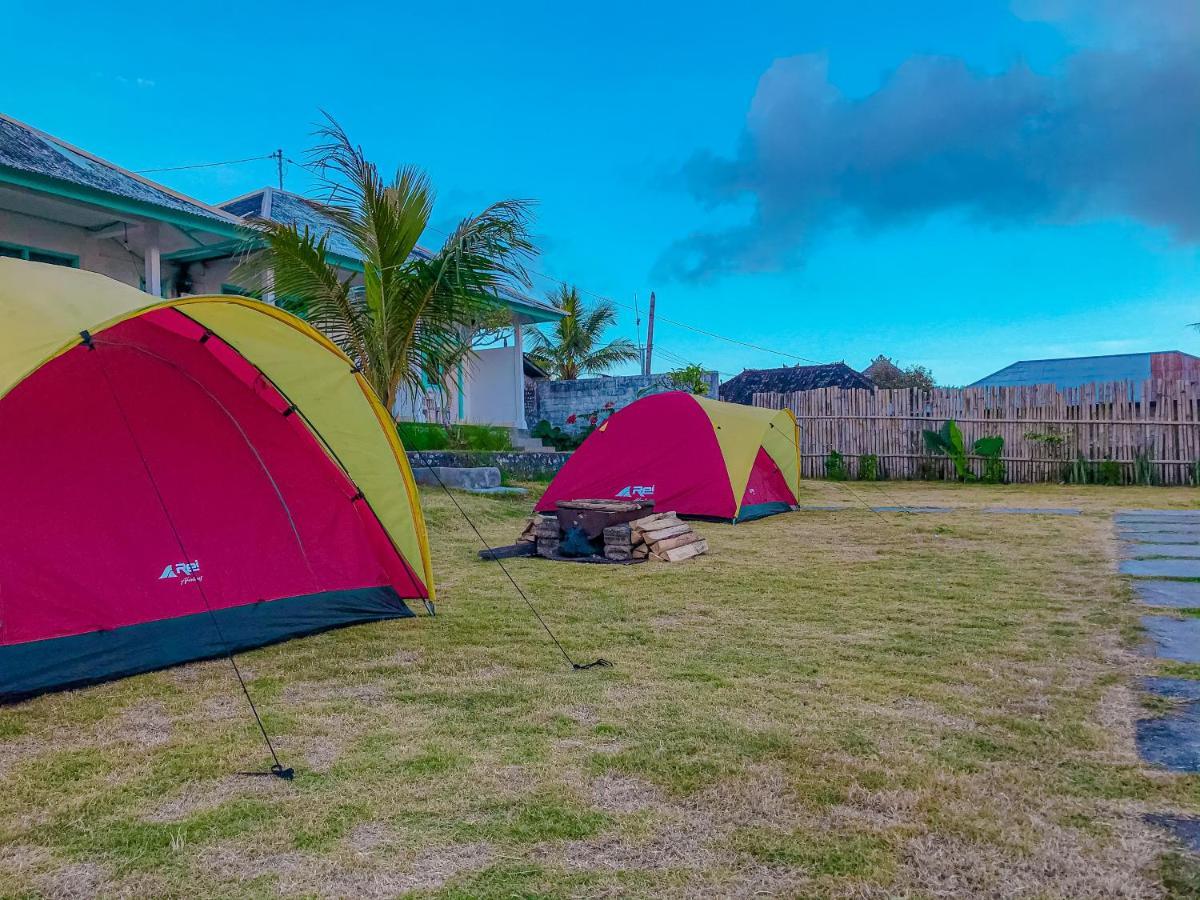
[(742, 388), (1074, 372), (292, 209), (33, 152), (1071, 371)]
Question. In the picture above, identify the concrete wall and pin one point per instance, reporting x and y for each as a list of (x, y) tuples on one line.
[(556, 400), (519, 466)]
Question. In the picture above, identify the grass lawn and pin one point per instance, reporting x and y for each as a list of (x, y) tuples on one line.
[(831, 704)]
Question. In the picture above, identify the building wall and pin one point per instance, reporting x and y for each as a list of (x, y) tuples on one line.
[(108, 257), (209, 276), (556, 400), (489, 394), (491, 389)]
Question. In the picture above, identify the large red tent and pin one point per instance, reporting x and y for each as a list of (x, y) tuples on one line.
[(184, 479)]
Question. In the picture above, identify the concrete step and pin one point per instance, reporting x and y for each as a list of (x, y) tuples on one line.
[(523, 442)]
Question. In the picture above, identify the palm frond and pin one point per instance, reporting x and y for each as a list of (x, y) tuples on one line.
[(410, 322)]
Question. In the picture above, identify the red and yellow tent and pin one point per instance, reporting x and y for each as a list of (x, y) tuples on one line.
[(184, 478), (696, 456)]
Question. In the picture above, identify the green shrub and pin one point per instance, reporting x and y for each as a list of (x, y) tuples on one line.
[(1143, 468), (430, 436), (556, 437), (835, 466), (422, 436), (487, 438), (948, 441), (868, 467), (993, 469), (1110, 473), (1079, 471)]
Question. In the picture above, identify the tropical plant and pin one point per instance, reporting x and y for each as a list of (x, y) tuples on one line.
[(886, 374), (1110, 473), (949, 442), (431, 436), (406, 320), (1079, 471), (835, 466), (868, 467), (556, 437), (574, 346), (690, 378), (1143, 468)]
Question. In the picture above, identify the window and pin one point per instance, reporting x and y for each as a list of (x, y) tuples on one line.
[(33, 254)]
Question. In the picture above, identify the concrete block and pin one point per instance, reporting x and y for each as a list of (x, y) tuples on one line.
[(466, 479)]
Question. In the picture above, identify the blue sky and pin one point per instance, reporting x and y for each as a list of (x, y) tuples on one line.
[(794, 175)]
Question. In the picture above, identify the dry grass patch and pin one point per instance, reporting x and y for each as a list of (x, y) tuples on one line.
[(829, 704)]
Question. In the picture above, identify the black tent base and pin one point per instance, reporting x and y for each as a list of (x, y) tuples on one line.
[(56, 664)]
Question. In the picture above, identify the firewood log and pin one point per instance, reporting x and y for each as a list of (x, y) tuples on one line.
[(653, 537), (686, 552), (618, 536), (681, 540), (644, 522)]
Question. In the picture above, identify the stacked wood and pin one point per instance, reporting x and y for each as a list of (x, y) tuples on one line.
[(618, 542), (664, 537), (547, 534)]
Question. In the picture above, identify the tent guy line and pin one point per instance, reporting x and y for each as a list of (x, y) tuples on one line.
[(277, 769), (597, 663)]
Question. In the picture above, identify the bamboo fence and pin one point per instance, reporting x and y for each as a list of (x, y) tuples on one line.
[(1148, 432)]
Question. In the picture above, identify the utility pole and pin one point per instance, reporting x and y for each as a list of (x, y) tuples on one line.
[(637, 324), (650, 336), (278, 154)]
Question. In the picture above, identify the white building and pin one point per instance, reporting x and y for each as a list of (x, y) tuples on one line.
[(61, 205)]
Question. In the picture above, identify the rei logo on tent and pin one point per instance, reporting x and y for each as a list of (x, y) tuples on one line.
[(641, 491), (188, 571)]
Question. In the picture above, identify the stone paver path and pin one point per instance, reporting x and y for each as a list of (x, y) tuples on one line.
[(1161, 568), (1172, 740), (1161, 549), (1177, 639), (1142, 550), (1181, 594), (1160, 537)]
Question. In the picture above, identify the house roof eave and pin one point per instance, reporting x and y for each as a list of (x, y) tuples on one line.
[(66, 190)]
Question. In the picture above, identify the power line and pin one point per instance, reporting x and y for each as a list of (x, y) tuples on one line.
[(637, 313), (208, 165), (312, 167)]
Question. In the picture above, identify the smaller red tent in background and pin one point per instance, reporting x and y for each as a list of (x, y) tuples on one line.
[(696, 456)]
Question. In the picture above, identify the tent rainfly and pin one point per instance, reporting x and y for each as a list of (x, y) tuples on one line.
[(696, 456), (184, 479)]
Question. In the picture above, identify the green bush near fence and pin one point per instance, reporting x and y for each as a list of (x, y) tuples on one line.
[(835, 466), (429, 436), (868, 467)]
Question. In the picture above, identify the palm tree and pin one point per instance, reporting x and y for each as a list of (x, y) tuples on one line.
[(408, 321), (572, 349)]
